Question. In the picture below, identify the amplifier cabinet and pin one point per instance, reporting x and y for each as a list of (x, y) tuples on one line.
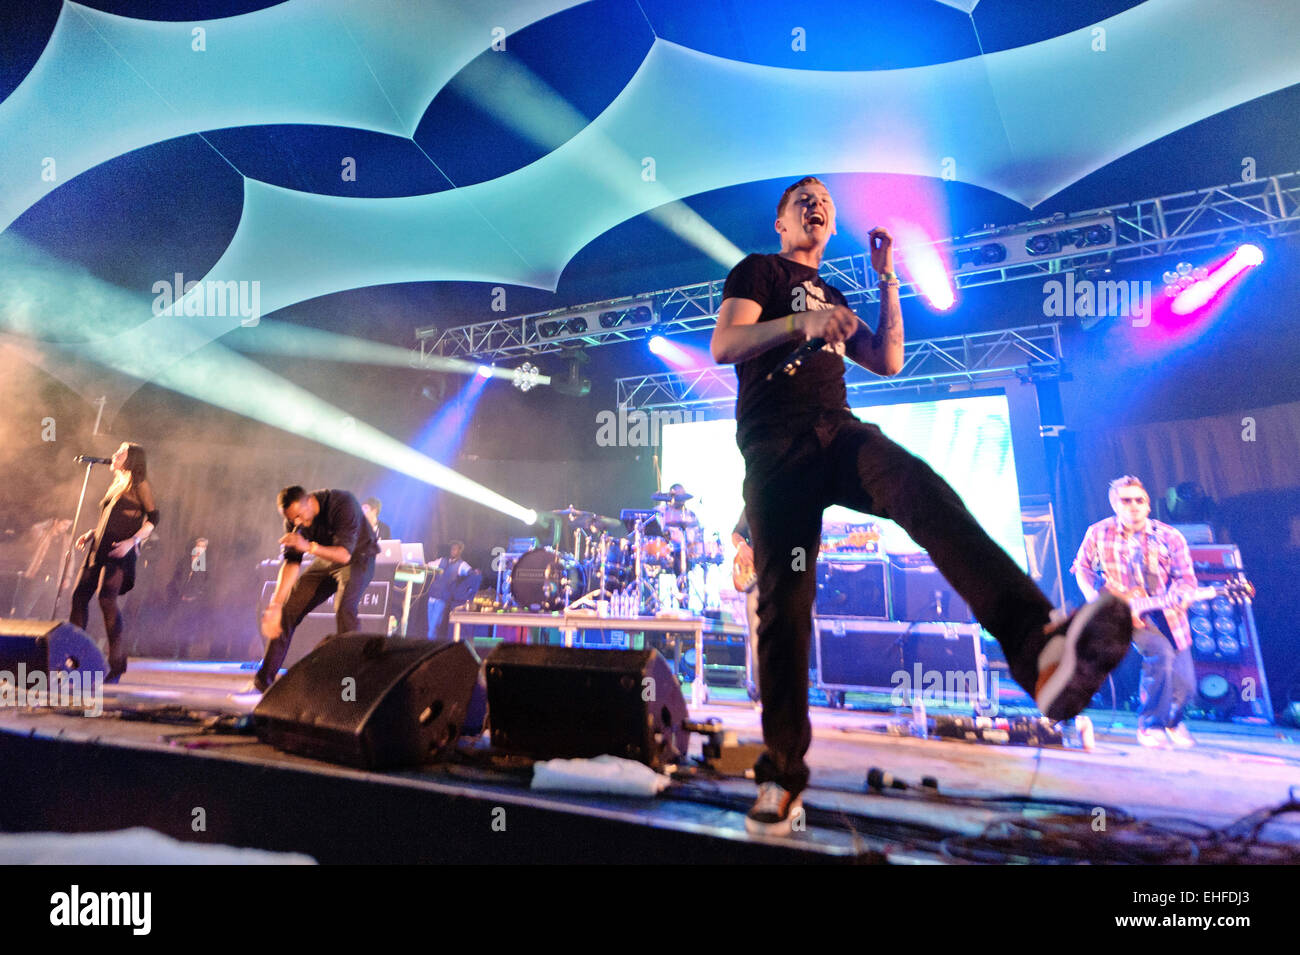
[(921, 594), (946, 659), (853, 585), (1230, 679)]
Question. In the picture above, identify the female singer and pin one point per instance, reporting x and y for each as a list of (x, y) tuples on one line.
[(127, 516)]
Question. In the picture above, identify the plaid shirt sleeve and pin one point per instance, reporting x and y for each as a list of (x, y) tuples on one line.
[(1101, 557), (1085, 561), (1182, 579)]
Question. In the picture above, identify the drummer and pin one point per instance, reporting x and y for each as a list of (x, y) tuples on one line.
[(674, 510)]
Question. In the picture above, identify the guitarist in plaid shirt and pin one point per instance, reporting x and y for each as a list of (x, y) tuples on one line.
[(1133, 556)]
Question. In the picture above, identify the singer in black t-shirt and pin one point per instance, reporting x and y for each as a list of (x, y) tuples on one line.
[(330, 526), (804, 451)]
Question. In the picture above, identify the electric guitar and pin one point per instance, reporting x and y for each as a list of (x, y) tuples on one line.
[(1236, 590), (743, 576)]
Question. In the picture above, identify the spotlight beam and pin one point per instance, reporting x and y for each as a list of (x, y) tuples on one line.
[(1198, 295), (270, 337)]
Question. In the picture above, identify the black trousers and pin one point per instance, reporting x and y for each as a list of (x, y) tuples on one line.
[(789, 480), (312, 588)]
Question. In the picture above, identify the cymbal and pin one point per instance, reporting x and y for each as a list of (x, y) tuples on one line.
[(682, 524), (667, 496), (610, 525), (573, 514)]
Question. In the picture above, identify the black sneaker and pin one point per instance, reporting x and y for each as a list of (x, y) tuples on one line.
[(774, 812), (1081, 651)]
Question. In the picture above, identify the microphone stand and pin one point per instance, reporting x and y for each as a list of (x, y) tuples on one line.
[(72, 543)]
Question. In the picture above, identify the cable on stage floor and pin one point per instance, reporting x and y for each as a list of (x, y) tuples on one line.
[(1157, 840)]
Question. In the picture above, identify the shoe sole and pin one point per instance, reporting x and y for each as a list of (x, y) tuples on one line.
[(783, 827), (1086, 663)]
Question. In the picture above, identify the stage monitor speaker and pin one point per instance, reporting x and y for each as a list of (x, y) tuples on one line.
[(559, 702), (49, 646), (371, 702)]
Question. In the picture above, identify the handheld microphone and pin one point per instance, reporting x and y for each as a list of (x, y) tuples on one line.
[(87, 459), (797, 356)]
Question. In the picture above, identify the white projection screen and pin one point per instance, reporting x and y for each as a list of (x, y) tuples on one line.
[(967, 440)]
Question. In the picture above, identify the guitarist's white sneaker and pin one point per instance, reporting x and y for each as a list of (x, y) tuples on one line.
[(1180, 737), (1081, 651), (1152, 737)]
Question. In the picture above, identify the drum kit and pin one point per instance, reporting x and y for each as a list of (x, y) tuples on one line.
[(638, 562)]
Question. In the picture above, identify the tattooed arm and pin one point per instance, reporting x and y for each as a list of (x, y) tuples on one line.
[(881, 351)]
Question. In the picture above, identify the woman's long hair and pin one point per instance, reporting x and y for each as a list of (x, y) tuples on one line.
[(134, 470)]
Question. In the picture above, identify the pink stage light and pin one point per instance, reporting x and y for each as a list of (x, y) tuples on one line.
[(914, 210), (680, 357), (917, 254), (926, 270), (1199, 295)]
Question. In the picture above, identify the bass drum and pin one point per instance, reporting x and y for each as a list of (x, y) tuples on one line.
[(540, 578)]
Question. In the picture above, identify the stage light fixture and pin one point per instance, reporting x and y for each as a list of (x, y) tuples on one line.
[(526, 376), (1097, 235), (1056, 238), (576, 325), (1045, 243), (573, 384), (633, 317), (1204, 288), (1250, 254)]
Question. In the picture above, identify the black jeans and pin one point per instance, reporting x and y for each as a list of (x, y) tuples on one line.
[(789, 480), (1168, 676), (312, 588)]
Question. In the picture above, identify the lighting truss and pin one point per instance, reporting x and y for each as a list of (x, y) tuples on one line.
[(954, 361), (1177, 224)]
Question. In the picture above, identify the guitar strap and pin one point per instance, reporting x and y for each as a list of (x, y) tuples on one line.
[(1150, 567), (1137, 563)]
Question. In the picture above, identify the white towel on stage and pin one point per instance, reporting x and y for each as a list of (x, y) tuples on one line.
[(604, 774)]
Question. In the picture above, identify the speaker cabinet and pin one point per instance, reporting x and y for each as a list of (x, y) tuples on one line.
[(853, 586), (559, 702), (921, 594), (1230, 679), (49, 646), (371, 702), (882, 656)]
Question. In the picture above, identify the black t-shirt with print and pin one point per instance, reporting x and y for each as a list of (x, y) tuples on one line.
[(787, 402)]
